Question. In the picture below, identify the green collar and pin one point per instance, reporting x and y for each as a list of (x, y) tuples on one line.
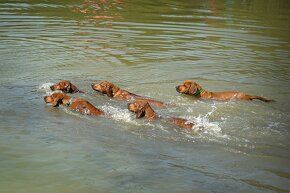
[(198, 92), (69, 102)]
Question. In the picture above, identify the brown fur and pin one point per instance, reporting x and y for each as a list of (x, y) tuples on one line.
[(143, 109), (112, 90), (76, 104), (66, 87), (191, 88)]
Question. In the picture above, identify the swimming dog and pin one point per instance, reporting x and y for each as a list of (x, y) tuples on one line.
[(190, 87), (112, 90), (143, 109), (66, 87), (77, 104)]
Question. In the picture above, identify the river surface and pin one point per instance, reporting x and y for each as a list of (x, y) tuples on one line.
[(147, 47)]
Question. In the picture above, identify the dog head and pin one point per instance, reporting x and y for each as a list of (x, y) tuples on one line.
[(105, 87), (64, 85), (188, 87), (139, 107), (55, 99)]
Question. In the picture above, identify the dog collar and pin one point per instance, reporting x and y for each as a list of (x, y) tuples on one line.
[(69, 102), (198, 92)]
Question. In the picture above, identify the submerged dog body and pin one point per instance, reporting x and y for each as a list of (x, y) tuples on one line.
[(112, 90), (143, 109), (72, 103), (66, 87), (192, 88)]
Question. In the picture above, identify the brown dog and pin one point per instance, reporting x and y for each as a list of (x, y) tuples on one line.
[(72, 103), (192, 88), (143, 109), (112, 90), (66, 87)]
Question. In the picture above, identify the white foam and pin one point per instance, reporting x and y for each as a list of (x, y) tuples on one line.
[(75, 113), (118, 114), (46, 88), (203, 125)]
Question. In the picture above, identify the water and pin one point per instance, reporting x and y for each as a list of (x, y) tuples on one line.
[(147, 47)]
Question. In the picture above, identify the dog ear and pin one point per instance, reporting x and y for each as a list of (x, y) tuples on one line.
[(192, 89), (68, 87), (109, 91), (73, 88), (198, 86), (57, 99), (142, 111)]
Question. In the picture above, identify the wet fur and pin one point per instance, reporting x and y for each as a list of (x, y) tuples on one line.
[(190, 87), (143, 109), (76, 104), (66, 87), (112, 90)]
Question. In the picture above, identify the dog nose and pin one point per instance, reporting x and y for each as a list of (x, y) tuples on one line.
[(93, 84), (44, 98), (52, 88), (177, 88)]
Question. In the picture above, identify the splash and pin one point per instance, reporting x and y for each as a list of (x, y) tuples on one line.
[(46, 88), (118, 114), (205, 126), (202, 124)]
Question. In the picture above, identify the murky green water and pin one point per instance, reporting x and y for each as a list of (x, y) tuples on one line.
[(147, 47)]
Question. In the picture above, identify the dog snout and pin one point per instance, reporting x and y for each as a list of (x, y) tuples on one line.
[(177, 88), (93, 85), (131, 106), (45, 98)]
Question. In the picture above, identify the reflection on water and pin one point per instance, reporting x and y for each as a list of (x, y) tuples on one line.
[(97, 10), (146, 47)]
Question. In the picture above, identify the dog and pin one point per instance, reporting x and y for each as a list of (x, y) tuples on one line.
[(76, 104), (112, 90), (143, 109), (192, 88), (66, 87)]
